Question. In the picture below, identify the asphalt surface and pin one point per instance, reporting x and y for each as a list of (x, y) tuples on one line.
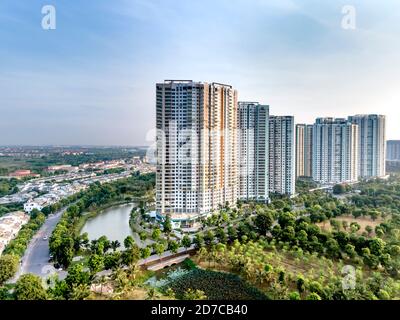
[(36, 257)]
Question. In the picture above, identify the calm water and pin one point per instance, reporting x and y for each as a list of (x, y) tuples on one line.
[(112, 223)]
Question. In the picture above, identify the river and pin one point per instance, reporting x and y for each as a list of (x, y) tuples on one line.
[(112, 223)]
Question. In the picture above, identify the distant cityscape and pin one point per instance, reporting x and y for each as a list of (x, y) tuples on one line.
[(213, 150)]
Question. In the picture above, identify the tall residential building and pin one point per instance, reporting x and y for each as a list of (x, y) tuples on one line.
[(281, 155), (253, 151), (304, 134), (372, 144), (335, 151), (393, 150), (196, 148)]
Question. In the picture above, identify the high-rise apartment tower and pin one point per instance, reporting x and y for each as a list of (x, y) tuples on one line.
[(253, 151), (197, 165)]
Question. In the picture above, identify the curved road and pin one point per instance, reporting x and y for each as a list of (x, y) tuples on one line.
[(36, 257)]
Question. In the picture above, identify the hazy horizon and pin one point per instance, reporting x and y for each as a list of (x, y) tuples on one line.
[(91, 81)]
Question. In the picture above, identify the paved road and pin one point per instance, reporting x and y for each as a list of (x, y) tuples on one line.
[(36, 257)]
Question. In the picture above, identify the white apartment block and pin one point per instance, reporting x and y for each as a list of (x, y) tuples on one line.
[(253, 151), (32, 204), (335, 151), (371, 145), (304, 134), (281, 155), (197, 165)]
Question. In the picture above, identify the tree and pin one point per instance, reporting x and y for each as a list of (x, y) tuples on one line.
[(209, 237), (112, 260), (232, 233), (379, 231), (143, 236), (79, 292), (131, 255), (96, 263), (84, 240), (395, 250), (288, 233), (332, 248), (354, 227), (263, 222), (286, 219), (34, 213), (65, 252), (302, 237), (129, 242), (8, 267), (198, 241), (156, 234), (186, 242), (350, 250), (313, 296), (377, 246), (170, 293), (374, 214), (167, 225), (276, 231), (121, 279), (335, 224), (294, 296), (145, 252), (383, 295), (152, 294), (339, 189), (191, 294), (281, 276), (221, 235), (159, 248), (301, 283), (115, 245), (76, 276), (29, 287), (173, 246)]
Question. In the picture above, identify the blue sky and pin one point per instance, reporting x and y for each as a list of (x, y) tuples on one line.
[(92, 80)]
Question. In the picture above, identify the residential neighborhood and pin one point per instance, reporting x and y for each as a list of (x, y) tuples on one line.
[(10, 225), (42, 192)]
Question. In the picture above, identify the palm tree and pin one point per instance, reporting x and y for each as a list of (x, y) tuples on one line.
[(79, 292), (115, 245), (120, 278), (202, 253), (152, 294), (133, 271), (93, 245)]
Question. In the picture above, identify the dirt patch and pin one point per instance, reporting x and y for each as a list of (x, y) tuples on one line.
[(362, 221)]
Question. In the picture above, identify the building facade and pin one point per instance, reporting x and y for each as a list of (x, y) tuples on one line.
[(335, 151), (253, 151), (371, 145), (393, 150), (197, 162), (304, 134), (281, 155)]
